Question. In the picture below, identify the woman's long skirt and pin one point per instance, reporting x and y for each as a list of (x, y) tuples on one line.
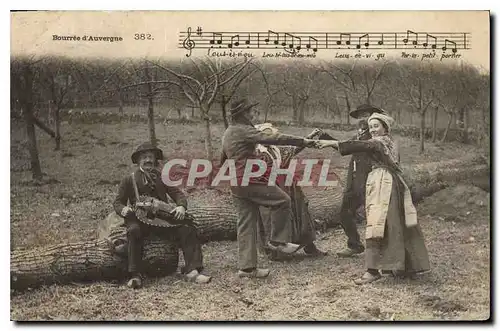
[(402, 248)]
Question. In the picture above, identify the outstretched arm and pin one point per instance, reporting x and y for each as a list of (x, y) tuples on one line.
[(354, 146), (263, 138)]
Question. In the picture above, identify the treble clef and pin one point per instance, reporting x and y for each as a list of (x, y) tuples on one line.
[(188, 42)]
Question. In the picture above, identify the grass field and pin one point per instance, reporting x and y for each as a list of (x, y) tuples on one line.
[(95, 157)]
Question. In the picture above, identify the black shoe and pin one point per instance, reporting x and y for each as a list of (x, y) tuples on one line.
[(312, 250)]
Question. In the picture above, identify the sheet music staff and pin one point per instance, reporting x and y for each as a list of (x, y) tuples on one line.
[(294, 42)]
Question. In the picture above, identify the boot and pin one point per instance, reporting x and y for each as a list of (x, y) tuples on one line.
[(312, 250)]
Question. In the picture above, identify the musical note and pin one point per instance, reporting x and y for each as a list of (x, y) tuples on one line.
[(277, 36), (219, 41), (294, 42), (454, 49), (414, 42), (367, 43), (292, 45), (348, 42), (381, 41), (427, 41), (236, 43), (188, 43), (308, 46)]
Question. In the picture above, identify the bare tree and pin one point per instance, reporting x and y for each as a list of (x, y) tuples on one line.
[(343, 74), (56, 77), (270, 93), (202, 86), (22, 74), (298, 81), (228, 91), (420, 91), (371, 76)]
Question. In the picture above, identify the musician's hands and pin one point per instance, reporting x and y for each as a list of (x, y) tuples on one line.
[(179, 212), (126, 211)]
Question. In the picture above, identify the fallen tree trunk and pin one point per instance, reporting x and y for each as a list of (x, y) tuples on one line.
[(97, 260), (85, 261)]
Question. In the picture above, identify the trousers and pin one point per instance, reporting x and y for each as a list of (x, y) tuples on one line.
[(247, 201), (351, 201), (185, 236)]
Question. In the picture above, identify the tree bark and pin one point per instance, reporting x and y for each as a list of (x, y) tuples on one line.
[(223, 108), (268, 106), (301, 110), (85, 261), (422, 131), (348, 107), (30, 127), (445, 134), (57, 116), (44, 127), (295, 107), (434, 123), (96, 260), (120, 101), (465, 115), (151, 115), (208, 137)]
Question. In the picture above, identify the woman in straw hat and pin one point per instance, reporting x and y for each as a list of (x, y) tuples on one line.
[(394, 241)]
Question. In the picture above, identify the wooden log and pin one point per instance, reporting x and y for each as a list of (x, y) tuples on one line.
[(97, 260), (85, 261)]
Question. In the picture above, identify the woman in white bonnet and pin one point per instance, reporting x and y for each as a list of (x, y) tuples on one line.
[(394, 241)]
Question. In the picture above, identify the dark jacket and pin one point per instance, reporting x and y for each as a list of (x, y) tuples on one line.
[(161, 191), (239, 142), (359, 168)]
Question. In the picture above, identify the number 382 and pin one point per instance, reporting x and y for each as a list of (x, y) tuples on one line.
[(143, 36)]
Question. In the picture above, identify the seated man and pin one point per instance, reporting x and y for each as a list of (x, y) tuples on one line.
[(143, 185)]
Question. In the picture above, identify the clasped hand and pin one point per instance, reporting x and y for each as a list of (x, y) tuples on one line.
[(321, 143)]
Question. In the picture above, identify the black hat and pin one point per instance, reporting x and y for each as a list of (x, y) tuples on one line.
[(147, 146), (366, 109), (240, 106)]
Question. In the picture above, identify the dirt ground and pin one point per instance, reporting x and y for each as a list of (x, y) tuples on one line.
[(85, 175)]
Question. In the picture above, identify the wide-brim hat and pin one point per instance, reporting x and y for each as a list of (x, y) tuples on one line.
[(366, 108), (147, 146), (241, 106)]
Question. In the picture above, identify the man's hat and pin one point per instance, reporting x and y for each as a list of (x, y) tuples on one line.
[(366, 109), (240, 106), (147, 146)]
